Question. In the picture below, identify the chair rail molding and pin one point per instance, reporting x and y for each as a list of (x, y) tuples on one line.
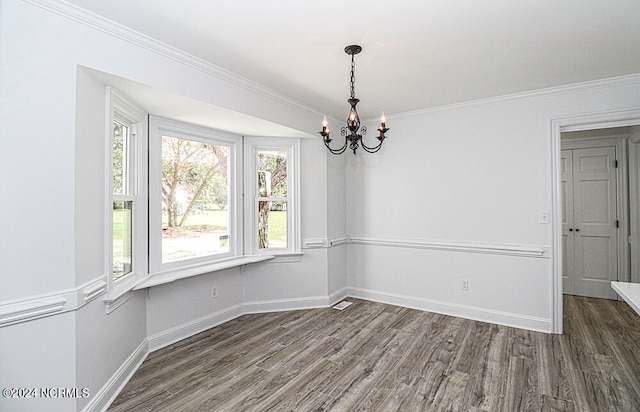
[(327, 242), (39, 306), (456, 246)]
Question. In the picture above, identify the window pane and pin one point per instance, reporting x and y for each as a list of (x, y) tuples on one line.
[(272, 173), (195, 199), (122, 236), (120, 148), (272, 224)]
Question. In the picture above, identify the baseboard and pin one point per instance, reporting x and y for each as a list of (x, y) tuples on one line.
[(279, 305), (337, 296), (162, 339), (108, 393), (451, 309), (169, 336)]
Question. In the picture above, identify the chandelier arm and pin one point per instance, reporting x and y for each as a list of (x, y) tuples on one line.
[(377, 147), (371, 149), (336, 151)]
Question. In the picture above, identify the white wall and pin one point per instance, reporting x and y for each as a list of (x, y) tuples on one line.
[(176, 309), (37, 122), (38, 354), (337, 220), (37, 119), (473, 173), (104, 343), (456, 176), (89, 194)]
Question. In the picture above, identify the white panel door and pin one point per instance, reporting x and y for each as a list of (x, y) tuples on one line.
[(590, 222), (596, 246)]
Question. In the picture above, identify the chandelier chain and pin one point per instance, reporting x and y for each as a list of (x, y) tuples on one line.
[(353, 77)]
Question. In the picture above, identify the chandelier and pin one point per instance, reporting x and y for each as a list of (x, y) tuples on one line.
[(353, 139)]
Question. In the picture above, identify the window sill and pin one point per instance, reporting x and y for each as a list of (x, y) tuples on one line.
[(120, 294), (287, 257), (168, 277)]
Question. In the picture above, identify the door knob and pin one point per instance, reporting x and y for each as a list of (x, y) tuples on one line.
[(570, 230), (577, 230)]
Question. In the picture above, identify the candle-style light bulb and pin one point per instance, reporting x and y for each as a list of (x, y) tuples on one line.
[(325, 129), (383, 119)]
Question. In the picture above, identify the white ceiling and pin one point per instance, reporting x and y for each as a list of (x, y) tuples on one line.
[(416, 53)]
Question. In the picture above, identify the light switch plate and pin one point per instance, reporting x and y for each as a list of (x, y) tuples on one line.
[(543, 217)]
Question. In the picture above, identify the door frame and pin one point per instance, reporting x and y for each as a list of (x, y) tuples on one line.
[(588, 121)]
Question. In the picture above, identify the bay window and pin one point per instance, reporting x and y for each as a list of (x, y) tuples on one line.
[(184, 201)]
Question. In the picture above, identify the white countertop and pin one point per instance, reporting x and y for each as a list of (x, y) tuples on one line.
[(630, 292)]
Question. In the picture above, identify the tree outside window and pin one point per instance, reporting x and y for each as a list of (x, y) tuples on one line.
[(272, 198), (195, 187)]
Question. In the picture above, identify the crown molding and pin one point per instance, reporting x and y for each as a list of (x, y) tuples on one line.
[(538, 93), (119, 31)]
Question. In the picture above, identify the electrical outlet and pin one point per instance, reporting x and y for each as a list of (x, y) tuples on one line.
[(465, 284), (214, 292)]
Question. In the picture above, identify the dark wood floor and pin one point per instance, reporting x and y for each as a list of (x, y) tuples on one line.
[(386, 358)]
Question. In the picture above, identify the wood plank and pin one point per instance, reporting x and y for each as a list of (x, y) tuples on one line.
[(521, 392), (490, 375), (551, 404), (553, 381)]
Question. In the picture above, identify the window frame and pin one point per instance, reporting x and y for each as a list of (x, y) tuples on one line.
[(124, 111), (158, 127), (252, 145)]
